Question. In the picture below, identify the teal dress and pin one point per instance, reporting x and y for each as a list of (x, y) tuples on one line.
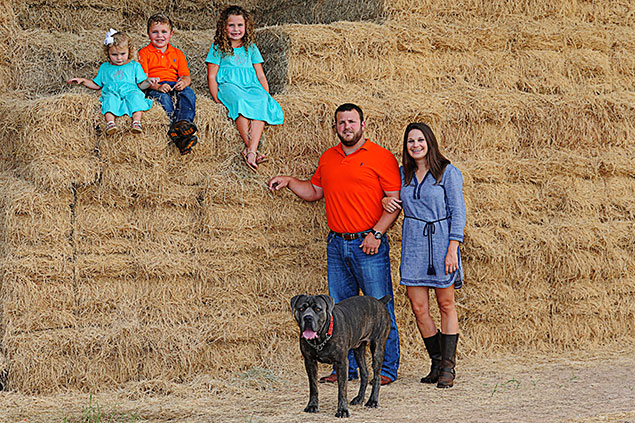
[(238, 86), (120, 94)]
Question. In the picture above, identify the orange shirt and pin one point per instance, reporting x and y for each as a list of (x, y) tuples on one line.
[(168, 66), (354, 185)]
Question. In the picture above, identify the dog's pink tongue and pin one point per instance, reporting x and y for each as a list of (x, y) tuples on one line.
[(309, 334)]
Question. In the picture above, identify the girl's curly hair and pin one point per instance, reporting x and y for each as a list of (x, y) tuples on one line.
[(221, 40), (121, 39)]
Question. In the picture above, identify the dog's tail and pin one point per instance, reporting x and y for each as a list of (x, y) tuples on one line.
[(385, 300)]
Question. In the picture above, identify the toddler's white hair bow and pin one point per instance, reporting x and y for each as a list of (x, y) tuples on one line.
[(109, 39)]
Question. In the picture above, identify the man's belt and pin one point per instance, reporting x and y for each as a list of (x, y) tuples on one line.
[(351, 236)]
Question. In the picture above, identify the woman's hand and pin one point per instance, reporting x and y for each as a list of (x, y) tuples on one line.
[(452, 257), (391, 204)]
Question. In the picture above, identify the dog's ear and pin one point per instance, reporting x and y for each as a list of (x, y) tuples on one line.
[(294, 301), (330, 303)]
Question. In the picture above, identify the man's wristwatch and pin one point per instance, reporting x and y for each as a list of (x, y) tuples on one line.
[(376, 234)]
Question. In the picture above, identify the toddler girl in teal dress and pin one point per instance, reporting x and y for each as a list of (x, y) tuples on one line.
[(120, 80), (236, 79)]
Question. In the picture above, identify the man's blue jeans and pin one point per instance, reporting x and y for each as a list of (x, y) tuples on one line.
[(351, 270), (179, 105)]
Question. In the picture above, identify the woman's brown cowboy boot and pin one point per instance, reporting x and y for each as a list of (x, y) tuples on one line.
[(433, 345), (448, 360)]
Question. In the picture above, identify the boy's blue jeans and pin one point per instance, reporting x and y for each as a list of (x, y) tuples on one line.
[(179, 105), (350, 270)]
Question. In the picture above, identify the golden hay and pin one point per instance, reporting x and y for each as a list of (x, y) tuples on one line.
[(125, 15), (604, 12), (33, 218), (186, 15), (123, 261), (549, 61), (52, 140)]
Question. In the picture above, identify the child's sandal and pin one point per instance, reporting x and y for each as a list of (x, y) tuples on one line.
[(111, 128), (251, 165), (261, 157), (136, 127)]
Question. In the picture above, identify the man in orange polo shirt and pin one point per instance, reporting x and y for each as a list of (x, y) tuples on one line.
[(353, 177), (169, 64)]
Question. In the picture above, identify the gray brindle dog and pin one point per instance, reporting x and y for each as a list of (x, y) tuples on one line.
[(328, 331)]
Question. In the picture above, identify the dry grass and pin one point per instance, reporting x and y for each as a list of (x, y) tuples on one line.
[(493, 389)]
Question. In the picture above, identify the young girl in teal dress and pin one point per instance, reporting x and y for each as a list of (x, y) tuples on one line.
[(120, 80), (237, 80)]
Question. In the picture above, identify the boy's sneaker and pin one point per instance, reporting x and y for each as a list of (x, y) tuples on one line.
[(181, 129), (185, 144), (182, 135)]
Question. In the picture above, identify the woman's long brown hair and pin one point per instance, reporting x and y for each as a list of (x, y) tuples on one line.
[(436, 161)]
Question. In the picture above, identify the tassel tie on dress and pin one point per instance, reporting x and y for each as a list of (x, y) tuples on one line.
[(428, 231)]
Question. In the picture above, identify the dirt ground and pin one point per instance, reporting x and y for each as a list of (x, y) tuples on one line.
[(564, 388)]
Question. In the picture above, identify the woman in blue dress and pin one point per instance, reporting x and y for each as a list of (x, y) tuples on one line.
[(236, 79), (120, 80), (434, 219)]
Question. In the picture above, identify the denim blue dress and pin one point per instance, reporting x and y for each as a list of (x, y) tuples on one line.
[(239, 88), (120, 94), (434, 214)]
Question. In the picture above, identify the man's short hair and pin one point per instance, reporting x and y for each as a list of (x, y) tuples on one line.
[(347, 107), (159, 18)]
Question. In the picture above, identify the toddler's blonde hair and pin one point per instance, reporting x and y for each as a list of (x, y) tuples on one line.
[(120, 39)]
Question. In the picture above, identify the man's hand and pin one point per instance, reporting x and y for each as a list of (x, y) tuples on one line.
[(303, 189), (278, 182), (370, 245)]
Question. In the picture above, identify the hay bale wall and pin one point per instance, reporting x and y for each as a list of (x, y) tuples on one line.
[(121, 261)]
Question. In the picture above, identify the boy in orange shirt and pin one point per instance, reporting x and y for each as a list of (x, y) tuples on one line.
[(161, 60)]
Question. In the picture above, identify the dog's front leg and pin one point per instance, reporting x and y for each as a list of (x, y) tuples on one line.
[(341, 368), (311, 371)]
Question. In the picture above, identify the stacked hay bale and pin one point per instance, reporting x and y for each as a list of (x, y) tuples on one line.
[(545, 142), (123, 261)]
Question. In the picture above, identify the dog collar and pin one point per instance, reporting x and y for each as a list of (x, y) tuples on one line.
[(329, 334)]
